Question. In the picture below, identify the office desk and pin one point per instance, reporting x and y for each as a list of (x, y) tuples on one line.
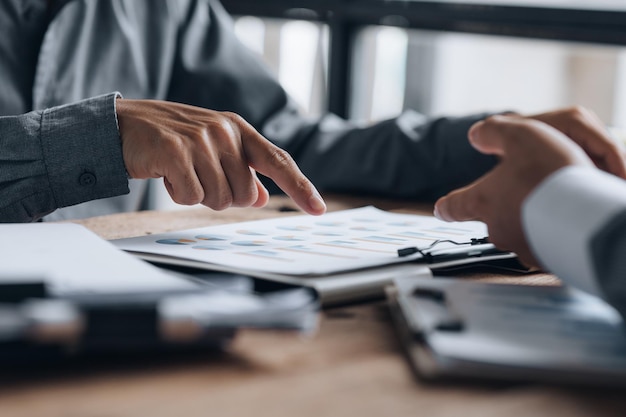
[(353, 366)]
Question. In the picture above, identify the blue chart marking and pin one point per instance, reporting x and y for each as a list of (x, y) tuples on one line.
[(383, 239), (216, 238), (328, 233), (293, 228), (176, 241), (249, 243), (266, 253), (343, 243), (207, 247), (402, 224), (415, 235), (450, 230), (263, 253), (301, 248), (290, 238), (364, 229), (251, 232)]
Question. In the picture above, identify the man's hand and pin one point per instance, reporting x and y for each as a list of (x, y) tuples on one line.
[(585, 128), (529, 151), (207, 157)]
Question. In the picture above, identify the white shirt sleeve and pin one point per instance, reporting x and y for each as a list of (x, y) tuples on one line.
[(563, 213)]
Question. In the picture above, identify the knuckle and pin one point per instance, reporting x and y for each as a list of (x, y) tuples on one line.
[(219, 201), (613, 148), (223, 129), (303, 184), (491, 120), (191, 198), (226, 127), (493, 124), (579, 113), (234, 117), (244, 199), (280, 158), (173, 147), (193, 193)]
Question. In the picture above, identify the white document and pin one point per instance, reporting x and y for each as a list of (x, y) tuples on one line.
[(72, 260), (305, 245)]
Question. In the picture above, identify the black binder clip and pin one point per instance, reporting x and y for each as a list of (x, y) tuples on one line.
[(426, 252)]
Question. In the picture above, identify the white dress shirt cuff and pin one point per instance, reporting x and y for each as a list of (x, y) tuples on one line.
[(562, 215)]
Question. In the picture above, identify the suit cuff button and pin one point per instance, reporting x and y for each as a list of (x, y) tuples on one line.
[(87, 179)]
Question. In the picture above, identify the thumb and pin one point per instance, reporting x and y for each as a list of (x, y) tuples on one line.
[(263, 194), (459, 205)]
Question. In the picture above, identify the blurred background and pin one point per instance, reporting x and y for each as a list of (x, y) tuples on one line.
[(537, 56), (440, 73)]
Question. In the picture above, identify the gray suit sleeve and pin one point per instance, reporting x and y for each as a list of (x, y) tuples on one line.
[(59, 157), (608, 247), (411, 157)]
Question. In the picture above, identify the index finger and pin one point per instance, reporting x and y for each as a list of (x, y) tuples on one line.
[(277, 164)]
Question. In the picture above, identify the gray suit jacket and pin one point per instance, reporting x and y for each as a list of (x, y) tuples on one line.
[(575, 223), (185, 51), (607, 247)]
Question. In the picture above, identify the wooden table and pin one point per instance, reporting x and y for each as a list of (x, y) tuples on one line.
[(353, 366)]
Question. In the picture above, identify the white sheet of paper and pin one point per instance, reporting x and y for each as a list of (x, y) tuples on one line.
[(73, 260), (307, 245)]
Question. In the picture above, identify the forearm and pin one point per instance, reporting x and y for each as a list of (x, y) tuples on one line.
[(59, 157)]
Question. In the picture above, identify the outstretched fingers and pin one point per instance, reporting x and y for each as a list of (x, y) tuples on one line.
[(277, 164), (585, 128)]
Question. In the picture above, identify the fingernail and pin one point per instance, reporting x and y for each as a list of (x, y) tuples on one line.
[(436, 213), (317, 203), (472, 131)]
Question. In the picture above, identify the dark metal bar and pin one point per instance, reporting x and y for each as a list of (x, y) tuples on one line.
[(340, 66), (585, 22)]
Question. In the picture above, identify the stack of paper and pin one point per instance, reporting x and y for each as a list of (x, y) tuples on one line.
[(345, 255)]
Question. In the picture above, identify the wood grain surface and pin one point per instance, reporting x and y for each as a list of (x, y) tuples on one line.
[(352, 366)]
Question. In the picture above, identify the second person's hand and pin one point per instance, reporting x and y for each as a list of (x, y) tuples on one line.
[(529, 152), (207, 157)]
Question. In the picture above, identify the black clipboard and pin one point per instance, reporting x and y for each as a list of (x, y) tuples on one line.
[(36, 325), (454, 329)]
